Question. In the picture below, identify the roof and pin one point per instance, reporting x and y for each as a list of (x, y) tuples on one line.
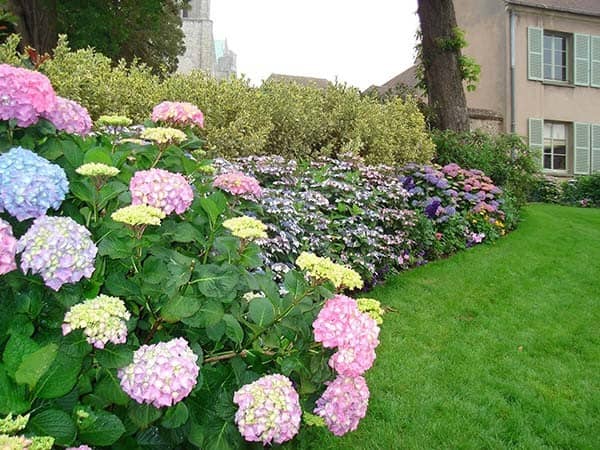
[(407, 78), (304, 81), (585, 7)]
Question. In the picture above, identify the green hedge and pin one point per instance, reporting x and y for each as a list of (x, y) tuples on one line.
[(277, 118)]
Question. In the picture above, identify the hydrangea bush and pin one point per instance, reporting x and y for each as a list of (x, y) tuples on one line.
[(377, 219), (138, 309)]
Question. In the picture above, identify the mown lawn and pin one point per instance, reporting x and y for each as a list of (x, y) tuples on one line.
[(496, 347)]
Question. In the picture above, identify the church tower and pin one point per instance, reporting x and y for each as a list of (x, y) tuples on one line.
[(199, 42)]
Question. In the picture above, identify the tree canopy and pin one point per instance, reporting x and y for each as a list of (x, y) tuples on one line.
[(149, 30)]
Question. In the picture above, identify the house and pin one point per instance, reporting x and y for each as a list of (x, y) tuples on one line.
[(540, 75)]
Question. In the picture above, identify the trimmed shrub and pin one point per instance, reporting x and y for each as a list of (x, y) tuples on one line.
[(276, 119)]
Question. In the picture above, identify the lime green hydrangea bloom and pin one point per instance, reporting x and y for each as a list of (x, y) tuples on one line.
[(138, 215), (97, 170), (8, 425), (371, 307), (325, 269), (162, 135), (41, 443), (246, 228), (114, 121)]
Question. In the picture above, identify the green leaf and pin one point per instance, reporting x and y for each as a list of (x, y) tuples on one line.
[(216, 281), (155, 270), (12, 397), (116, 247), (98, 155), (110, 191), (179, 308), (55, 423), (175, 416), (16, 348), (233, 329), (211, 208), (119, 286), (83, 190), (186, 232), (143, 415), (295, 283), (109, 389), (212, 312), (105, 430), (261, 311), (72, 153), (215, 332), (62, 375), (34, 365), (114, 356)]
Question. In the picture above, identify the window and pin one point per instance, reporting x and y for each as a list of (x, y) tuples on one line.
[(555, 57), (184, 13), (555, 146), (562, 57)]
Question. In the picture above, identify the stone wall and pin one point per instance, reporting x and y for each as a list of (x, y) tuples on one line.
[(487, 121)]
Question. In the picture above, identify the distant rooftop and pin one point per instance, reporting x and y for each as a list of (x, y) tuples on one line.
[(304, 81), (585, 7), (407, 78)]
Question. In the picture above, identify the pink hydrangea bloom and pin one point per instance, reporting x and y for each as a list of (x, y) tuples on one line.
[(356, 335), (452, 170), (334, 320), (162, 374), (81, 447), (24, 95), (343, 404), (161, 189), (237, 183), (269, 410), (68, 115), (8, 248), (178, 114)]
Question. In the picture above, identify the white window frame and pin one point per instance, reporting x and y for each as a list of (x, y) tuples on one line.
[(553, 64), (552, 145)]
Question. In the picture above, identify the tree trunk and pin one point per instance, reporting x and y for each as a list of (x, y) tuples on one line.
[(37, 23), (442, 66)]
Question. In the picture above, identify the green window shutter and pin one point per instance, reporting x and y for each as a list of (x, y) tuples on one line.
[(536, 138), (581, 62), (535, 53), (595, 61), (595, 148), (582, 148)]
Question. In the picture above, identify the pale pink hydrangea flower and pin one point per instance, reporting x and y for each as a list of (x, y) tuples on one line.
[(341, 324), (237, 183), (161, 374), (343, 404), (8, 248), (68, 115), (161, 189), (24, 95), (269, 410), (81, 447), (178, 114)]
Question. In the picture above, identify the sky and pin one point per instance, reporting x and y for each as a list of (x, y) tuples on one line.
[(356, 42)]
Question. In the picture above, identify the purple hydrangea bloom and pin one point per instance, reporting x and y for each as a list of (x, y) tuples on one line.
[(58, 249), (162, 374), (269, 410), (431, 209), (30, 184)]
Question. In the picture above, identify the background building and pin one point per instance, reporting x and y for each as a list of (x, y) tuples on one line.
[(201, 50)]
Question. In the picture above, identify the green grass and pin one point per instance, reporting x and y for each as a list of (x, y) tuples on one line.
[(495, 347)]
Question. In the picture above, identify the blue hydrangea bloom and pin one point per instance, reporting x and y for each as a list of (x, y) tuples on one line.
[(30, 184)]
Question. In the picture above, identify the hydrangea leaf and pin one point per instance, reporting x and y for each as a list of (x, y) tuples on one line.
[(55, 423), (34, 365)]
